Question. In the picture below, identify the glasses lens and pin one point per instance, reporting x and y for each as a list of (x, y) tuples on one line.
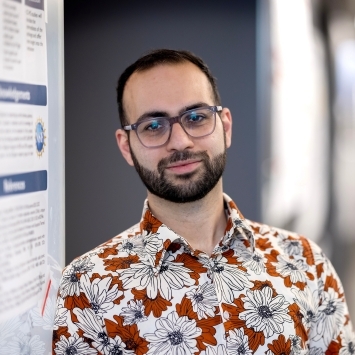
[(153, 131), (199, 122)]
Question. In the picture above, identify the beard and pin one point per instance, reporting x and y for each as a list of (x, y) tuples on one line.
[(190, 189)]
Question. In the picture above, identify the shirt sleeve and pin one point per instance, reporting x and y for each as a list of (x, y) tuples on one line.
[(332, 331), (74, 309)]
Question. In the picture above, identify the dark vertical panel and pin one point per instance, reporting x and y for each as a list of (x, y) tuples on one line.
[(103, 194)]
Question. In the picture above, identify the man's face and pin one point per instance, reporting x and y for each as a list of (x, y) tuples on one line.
[(185, 169)]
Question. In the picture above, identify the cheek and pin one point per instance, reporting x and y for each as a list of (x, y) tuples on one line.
[(147, 158), (218, 143)]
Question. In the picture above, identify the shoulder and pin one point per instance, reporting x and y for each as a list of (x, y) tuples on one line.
[(111, 256), (110, 246), (289, 242), (293, 252)]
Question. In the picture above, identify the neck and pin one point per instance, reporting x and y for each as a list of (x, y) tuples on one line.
[(202, 223)]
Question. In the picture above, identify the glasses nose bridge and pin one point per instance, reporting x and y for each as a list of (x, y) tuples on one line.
[(176, 119)]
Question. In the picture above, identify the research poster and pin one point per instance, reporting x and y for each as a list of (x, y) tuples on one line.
[(24, 136)]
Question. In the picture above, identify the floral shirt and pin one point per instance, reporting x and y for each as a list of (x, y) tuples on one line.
[(147, 291)]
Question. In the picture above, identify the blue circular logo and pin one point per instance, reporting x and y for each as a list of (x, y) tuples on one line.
[(40, 137)]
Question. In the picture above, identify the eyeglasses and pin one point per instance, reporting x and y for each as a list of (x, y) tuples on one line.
[(154, 132)]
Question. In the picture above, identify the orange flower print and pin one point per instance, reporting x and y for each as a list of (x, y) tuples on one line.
[(129, 335), (293, 271), (107, 251), (147, 291), (263, 243), (233, 206), (156, 305), (231, 314), (280, 346), (115, 264), (150, 223), (71, 302), (297, 318), (259, 285), (190, 262), (233, 321), (330, 281), (307, 251), (334, 348), (206, 324)]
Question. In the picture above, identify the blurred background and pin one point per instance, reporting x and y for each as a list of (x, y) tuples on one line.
[(286, 69)]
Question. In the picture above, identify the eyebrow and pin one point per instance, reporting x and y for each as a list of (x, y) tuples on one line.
[(154, 114)]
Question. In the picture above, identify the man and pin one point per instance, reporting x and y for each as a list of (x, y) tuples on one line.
[(194, 276)]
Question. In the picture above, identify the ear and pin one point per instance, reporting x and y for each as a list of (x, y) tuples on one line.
[(226, 118), (123, 145)]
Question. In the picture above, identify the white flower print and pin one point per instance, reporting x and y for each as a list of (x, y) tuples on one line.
[(132, 246), (82, 265), (347, 342), (60, 319), (134, 313), (316, 351), (220, 249), (151, 245), (25, 344), (237, 243), (93, 329), (330, 316), (177, 300), (291, 267), (203, 299), (141, 276), (174, 335), (320, 258), (70, 283), (73, 345), (253, 261), (170, 276), (264, 312), (227, 278), (238, 223), (264, 229), (296, 346), (98, 293), (221, 350), (307, 301), (237, 343), (117, 347), (292, 246)]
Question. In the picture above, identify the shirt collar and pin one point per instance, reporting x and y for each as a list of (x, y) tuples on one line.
[(237, 228)]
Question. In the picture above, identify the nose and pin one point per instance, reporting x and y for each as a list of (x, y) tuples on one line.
[(179, 139)]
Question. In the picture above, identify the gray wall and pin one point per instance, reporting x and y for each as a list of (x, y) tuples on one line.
[(104, 196)]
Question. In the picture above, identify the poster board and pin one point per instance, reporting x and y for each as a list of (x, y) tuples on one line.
[(31, 172)]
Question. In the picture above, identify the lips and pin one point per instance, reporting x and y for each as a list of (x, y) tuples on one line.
[(182, 161), (183, 167)]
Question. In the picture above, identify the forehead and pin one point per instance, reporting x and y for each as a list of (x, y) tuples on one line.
[(167, 88)]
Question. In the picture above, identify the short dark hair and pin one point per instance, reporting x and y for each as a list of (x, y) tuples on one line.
[(155, 58)]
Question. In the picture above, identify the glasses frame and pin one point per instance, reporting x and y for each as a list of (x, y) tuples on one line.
[(172, 120)]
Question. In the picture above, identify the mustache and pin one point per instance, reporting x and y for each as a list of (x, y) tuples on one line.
[(181, 156)]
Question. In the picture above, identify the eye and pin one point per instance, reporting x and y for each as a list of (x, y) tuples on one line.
[(152, 125), (194, 117)]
